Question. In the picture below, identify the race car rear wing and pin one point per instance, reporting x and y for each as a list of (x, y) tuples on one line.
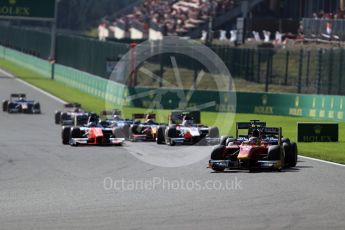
[(176, 116), (72, 105), (111, 113), (140, 116), (247, 125), (18, 95)]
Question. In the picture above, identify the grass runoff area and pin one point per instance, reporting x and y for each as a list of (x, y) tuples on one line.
[(334, 152)]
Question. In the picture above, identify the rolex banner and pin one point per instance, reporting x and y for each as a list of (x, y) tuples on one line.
[(317, 132), (27, 9)]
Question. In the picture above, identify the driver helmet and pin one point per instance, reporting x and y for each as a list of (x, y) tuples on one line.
[(256, 133), (116, 117)]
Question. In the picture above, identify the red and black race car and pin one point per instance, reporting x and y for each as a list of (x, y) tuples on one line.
[(261, 148), (144, 127), (91, 134)]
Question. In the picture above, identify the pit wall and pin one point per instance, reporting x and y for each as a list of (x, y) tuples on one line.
[(310, 106)]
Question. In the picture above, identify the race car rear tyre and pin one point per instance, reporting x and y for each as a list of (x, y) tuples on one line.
[(160, 135), (229, 141), (213, 132), (57, 117), (64, 117), (75, 132), (223, 140), (286, 140), (134, 129), (218, 153), (294, 151), (4, 106), (37, 106), (65, 135)]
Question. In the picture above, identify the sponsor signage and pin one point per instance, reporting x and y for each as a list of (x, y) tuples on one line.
[(317, 132), (27, 9)]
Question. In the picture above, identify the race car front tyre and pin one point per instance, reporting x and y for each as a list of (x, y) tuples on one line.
[(213, 132), (37, 107), (4, 106), (274, 153), (10, 107), (290, 151), (65, 135), (218, 153), (57, 117), (160, 135), (125, 131)]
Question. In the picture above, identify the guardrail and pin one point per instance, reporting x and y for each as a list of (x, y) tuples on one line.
[(322, 107)]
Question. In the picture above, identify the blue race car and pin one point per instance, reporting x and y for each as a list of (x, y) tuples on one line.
[(19, 104)]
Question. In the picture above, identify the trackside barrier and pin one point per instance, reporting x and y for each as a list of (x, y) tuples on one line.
[(82, 81), (322, 107)]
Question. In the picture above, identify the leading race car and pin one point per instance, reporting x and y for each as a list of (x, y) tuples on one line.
[(19, 104), (261, 148), (185, 128), (91, 134), (71, 115)]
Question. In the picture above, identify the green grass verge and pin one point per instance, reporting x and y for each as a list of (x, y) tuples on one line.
[(327, 151)]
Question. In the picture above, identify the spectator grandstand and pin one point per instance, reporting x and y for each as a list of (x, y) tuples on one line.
[(169, 17)]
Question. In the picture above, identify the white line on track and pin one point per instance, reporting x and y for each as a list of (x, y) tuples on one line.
[(322, 161), (64, 102), (32, 86)]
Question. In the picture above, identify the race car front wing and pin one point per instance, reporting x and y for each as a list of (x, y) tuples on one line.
[(87, 141)]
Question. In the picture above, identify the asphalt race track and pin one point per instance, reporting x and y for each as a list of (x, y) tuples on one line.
[(45, 185)]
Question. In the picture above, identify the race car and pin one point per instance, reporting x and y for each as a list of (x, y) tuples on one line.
[(113, 119), (144, 127), (91, 134), (71, 115), (261, 148), (19, 104), (185, 128)]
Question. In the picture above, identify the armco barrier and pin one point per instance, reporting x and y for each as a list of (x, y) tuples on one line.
[(83, 81), (322, 107)]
